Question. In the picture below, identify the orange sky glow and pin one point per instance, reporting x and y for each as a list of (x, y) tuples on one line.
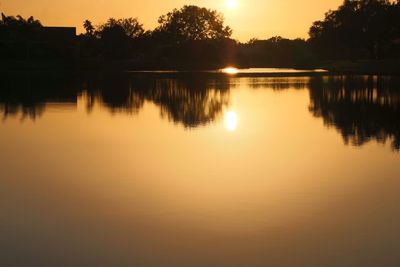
[(249, 18)]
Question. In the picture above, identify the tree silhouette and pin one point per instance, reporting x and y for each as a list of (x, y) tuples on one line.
[(18, 28), (192, 23), (131, 26), (89, 28), (356, 26), (275, 52), (19, 21), (115, 41), (193, 37)]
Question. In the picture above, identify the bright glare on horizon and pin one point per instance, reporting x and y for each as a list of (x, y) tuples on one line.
[(230, 70), (232, 3), (231, 121)]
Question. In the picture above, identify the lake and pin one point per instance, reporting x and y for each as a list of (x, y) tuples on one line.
[(199, 169)]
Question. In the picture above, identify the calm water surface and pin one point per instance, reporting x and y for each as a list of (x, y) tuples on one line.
[(199, 170)]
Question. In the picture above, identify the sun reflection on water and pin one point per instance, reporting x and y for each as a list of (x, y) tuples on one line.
[(231, 121), (230, 70)]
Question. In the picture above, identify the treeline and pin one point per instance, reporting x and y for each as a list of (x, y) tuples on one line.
[(358, 29), (15, 33), (197, 38), (18, 28), (194, 37), (191, 37)]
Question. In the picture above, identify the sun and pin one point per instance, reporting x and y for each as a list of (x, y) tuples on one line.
[(232, 3)]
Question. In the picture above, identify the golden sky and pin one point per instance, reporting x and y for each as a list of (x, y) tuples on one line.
[(249, 18)]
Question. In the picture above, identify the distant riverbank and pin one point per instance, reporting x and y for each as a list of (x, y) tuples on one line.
[(361, 67), (367, 67)]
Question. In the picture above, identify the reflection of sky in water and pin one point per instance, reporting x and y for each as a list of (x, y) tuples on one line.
[(136, 187)]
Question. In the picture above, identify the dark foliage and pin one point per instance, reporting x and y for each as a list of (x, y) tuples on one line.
[(276, 52), (192, 23), (197, 38), (191, 37), (18, 28), (357, 29)]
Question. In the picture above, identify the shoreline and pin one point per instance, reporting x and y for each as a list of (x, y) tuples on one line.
[(361, 67)]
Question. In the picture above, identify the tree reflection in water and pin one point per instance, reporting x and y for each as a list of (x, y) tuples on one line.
[(190, 100), (362, 108), (27, 94)]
